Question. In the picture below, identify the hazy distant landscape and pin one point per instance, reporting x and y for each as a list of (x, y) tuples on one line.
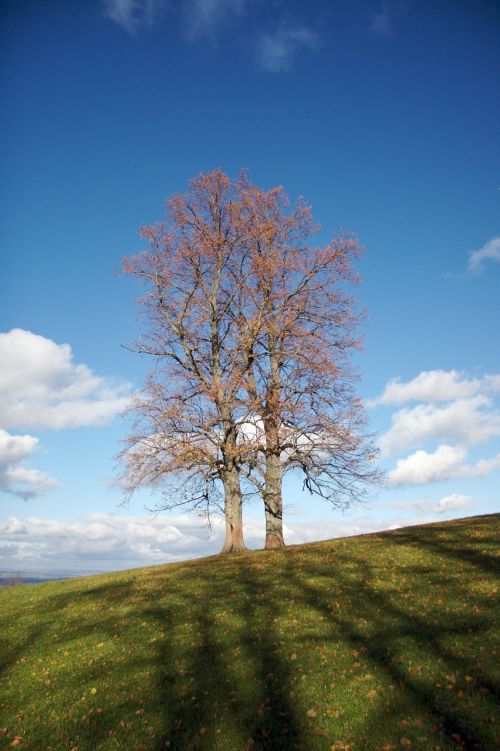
[(15, 578)]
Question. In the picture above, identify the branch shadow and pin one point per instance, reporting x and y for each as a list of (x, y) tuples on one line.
[(389, 626)]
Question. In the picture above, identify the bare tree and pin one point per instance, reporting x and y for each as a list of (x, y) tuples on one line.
[(252, 328), (302, 407), (186, 422)]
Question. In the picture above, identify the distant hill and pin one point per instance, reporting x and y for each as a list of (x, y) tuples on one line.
[(385, 641), (16, 578)]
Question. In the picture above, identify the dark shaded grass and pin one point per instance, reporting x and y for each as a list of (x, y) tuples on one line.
[(385, 641)]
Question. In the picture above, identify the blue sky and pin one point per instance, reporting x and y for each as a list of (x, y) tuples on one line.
[(384, 115)]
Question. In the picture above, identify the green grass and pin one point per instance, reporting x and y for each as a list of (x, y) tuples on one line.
[(385, 641)]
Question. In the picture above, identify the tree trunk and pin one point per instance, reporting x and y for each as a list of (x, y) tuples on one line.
[(233, 513), (273, 503)]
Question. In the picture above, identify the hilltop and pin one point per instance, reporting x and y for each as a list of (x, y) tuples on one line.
[(384, 641)]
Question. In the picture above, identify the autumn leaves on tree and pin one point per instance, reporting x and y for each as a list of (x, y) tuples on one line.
[(251, 329)]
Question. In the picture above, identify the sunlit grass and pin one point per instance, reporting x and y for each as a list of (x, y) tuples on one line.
[(385, 641)]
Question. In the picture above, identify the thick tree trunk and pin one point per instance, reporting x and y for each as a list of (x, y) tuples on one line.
[(233, 504), (273, 503)]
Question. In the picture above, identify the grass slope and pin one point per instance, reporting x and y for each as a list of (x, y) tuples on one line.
[(384, 641)]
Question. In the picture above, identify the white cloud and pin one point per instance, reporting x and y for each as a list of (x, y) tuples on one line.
[(276, 51), (132, 15), (465, 421), (41, 387), (432, 386), (490, 251), (445, 463), (422, 467), (457, 412), (204, 18), (428, 506), (452, 503), (15, 478), (15, 448)]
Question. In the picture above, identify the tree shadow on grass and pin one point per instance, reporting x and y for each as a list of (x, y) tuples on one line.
[(232, 690), (218, 673), (215, 650), (55, 707), (392, 629), (455, 546)]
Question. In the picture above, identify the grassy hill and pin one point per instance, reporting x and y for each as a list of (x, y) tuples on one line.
[(385, 641)]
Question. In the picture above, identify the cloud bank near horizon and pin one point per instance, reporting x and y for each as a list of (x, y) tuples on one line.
[(103, 541)]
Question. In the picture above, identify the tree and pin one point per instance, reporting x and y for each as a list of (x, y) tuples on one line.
[(302, 407), (252, 328), (186, 420)]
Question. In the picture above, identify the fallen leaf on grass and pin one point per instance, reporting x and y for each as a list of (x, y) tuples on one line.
[(311, 713)]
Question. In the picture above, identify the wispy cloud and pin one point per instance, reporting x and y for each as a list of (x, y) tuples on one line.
[(206, 18), (383, 18), (276, 51), (201, 18), (133, 15), (490, 251), (429, 506)]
